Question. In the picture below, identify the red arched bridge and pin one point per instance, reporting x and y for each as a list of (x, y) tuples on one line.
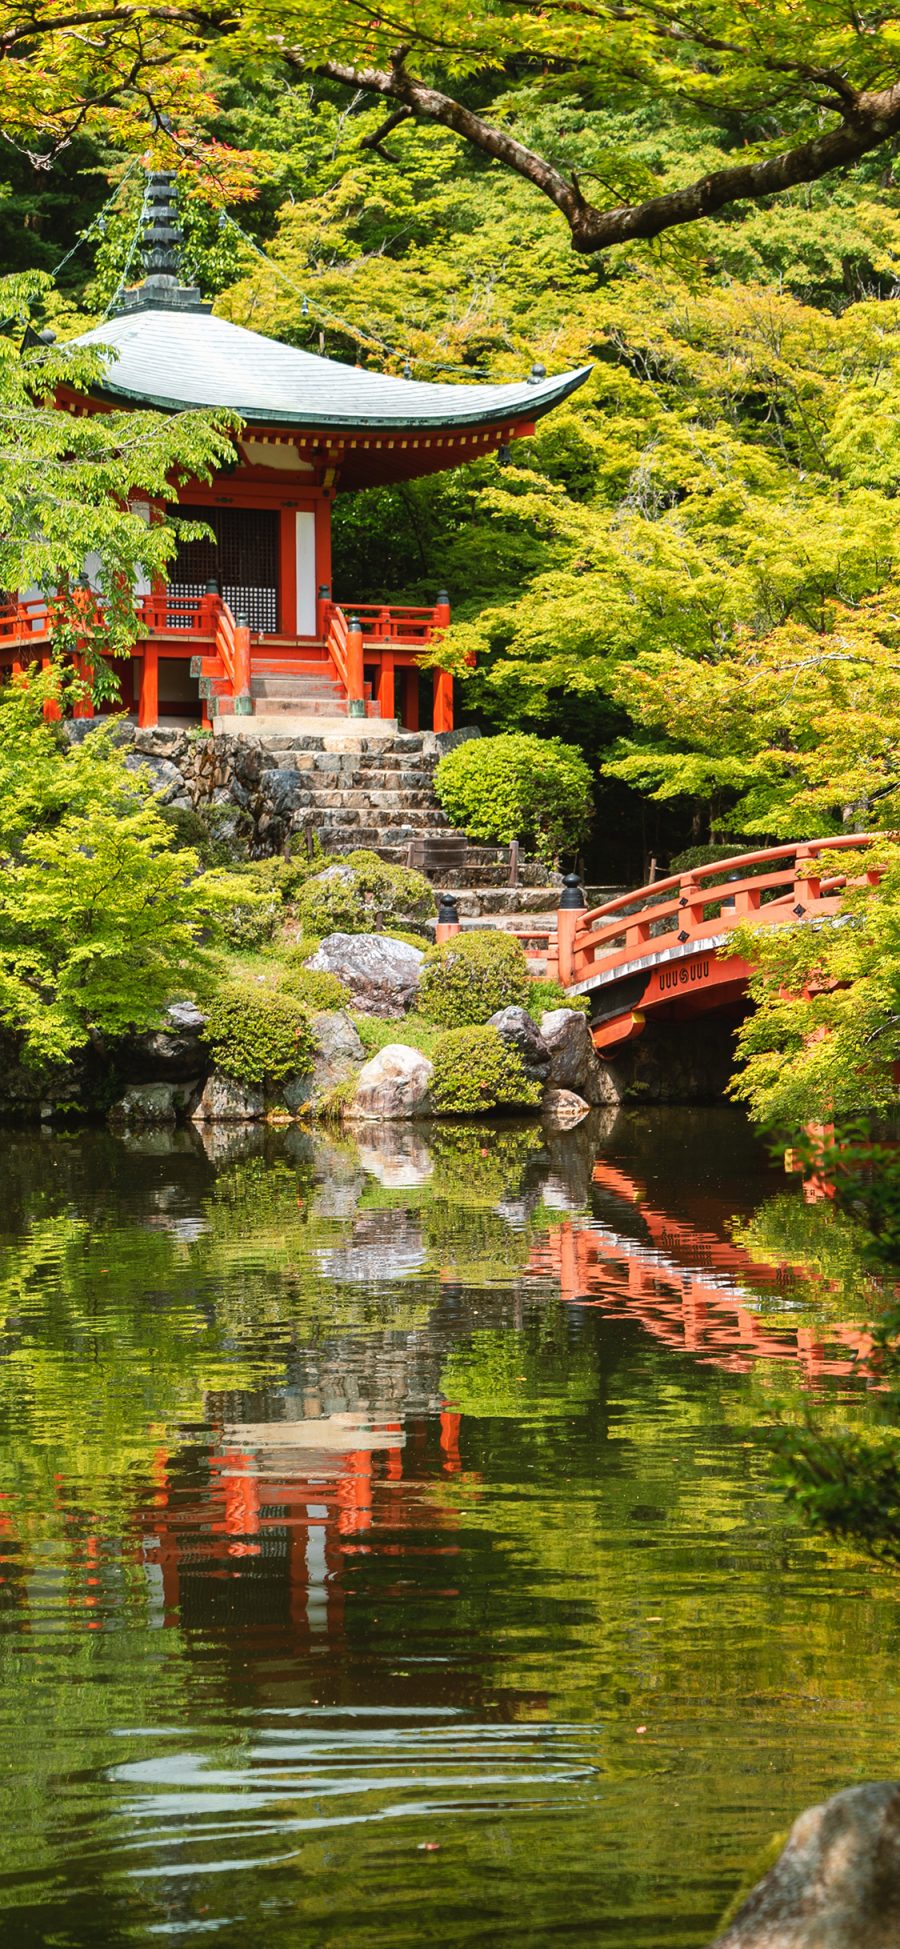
[(662, 950)]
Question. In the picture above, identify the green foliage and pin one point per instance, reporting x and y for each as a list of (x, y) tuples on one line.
[(466, 979), (475, 1072), (102, 919), (361, 895), (546, 995), (66, 482), (413, 1030), (258, 1034), (791, 733), (515, 786), (824, 1034), (316, 987)]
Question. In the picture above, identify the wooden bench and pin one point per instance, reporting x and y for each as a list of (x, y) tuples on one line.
[(439, 859)]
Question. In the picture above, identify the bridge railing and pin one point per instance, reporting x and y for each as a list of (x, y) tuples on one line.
[(774, 885)]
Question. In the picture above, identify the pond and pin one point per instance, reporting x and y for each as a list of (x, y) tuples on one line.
[(389, 1552)]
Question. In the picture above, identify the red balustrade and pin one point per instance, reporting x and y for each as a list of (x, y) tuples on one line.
[(696, 908)]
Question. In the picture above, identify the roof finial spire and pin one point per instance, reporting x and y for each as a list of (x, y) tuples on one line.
[(161, 242)]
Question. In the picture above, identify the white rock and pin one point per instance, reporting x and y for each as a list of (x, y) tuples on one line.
[(395, 1083), (382, 975)]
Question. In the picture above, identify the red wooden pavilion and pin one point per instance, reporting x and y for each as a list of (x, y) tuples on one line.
[(247, 623)]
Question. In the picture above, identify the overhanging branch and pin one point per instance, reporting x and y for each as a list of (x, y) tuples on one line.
[(867, 120)]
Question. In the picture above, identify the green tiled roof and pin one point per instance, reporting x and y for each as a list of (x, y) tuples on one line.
[(178, 359)]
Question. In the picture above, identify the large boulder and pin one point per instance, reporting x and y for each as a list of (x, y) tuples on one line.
[(382, 975), (337, 1052), (573, 1059), (396, 1083), (225, 1101), (516, 1027), (836, 1885)]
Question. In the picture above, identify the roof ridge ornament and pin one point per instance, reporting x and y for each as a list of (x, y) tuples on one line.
[(162, 239)]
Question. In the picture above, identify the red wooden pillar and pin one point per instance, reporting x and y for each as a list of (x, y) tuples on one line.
[(52, 712), (448, 921), (443, 700), (243, 703), (83, 670), (386, 686), (148, 696), (568, 920), (355, 674)]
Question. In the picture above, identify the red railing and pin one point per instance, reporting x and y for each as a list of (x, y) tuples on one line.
[(406, 627), (689, 908), (23, 622), (334, 630)]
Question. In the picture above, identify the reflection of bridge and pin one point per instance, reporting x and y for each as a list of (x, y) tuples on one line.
[(659, 949), (689, 1288)]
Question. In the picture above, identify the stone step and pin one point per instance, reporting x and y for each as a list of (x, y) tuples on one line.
[(418, 820), (308, 685), (501, 904), (325, 797)]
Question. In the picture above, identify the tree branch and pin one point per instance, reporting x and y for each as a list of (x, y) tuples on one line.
[(867, 121)]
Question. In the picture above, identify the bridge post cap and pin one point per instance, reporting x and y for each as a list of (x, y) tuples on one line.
[(573, 893), (212, 586), (241, 620), (448, 911), (324, 591)]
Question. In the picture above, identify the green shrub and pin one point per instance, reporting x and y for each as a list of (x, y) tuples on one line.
[(258, 1034), (466, 979), (517, 786), (316, 987), (295, 953), (362, 895), (544, 995), (476, 1071)]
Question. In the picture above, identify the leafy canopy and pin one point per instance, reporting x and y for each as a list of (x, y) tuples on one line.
[(75, 489), (102, 919)]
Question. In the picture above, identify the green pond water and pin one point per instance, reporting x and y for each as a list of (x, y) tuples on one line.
[(389, 1552)]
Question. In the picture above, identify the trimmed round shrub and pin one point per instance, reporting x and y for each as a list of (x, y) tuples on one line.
[(259, 1034), (476, 1071), (466, 979), (517, 786), (361, 895), (316, 987)]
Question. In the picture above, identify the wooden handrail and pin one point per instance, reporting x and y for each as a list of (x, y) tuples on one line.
[(336, 641), (706, 901)]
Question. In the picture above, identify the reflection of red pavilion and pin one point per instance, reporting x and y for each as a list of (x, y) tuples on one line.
[(283, 1507), (688, 1287)]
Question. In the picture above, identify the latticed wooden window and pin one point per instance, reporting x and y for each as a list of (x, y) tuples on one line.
[(243, 560)]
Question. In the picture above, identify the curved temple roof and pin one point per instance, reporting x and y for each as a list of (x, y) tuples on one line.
[(179, 359)]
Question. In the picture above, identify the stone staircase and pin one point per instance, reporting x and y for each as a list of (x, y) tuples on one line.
[(287, 680), (377, 793)]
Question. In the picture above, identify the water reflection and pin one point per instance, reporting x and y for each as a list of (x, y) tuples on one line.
[(387, 1553)]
